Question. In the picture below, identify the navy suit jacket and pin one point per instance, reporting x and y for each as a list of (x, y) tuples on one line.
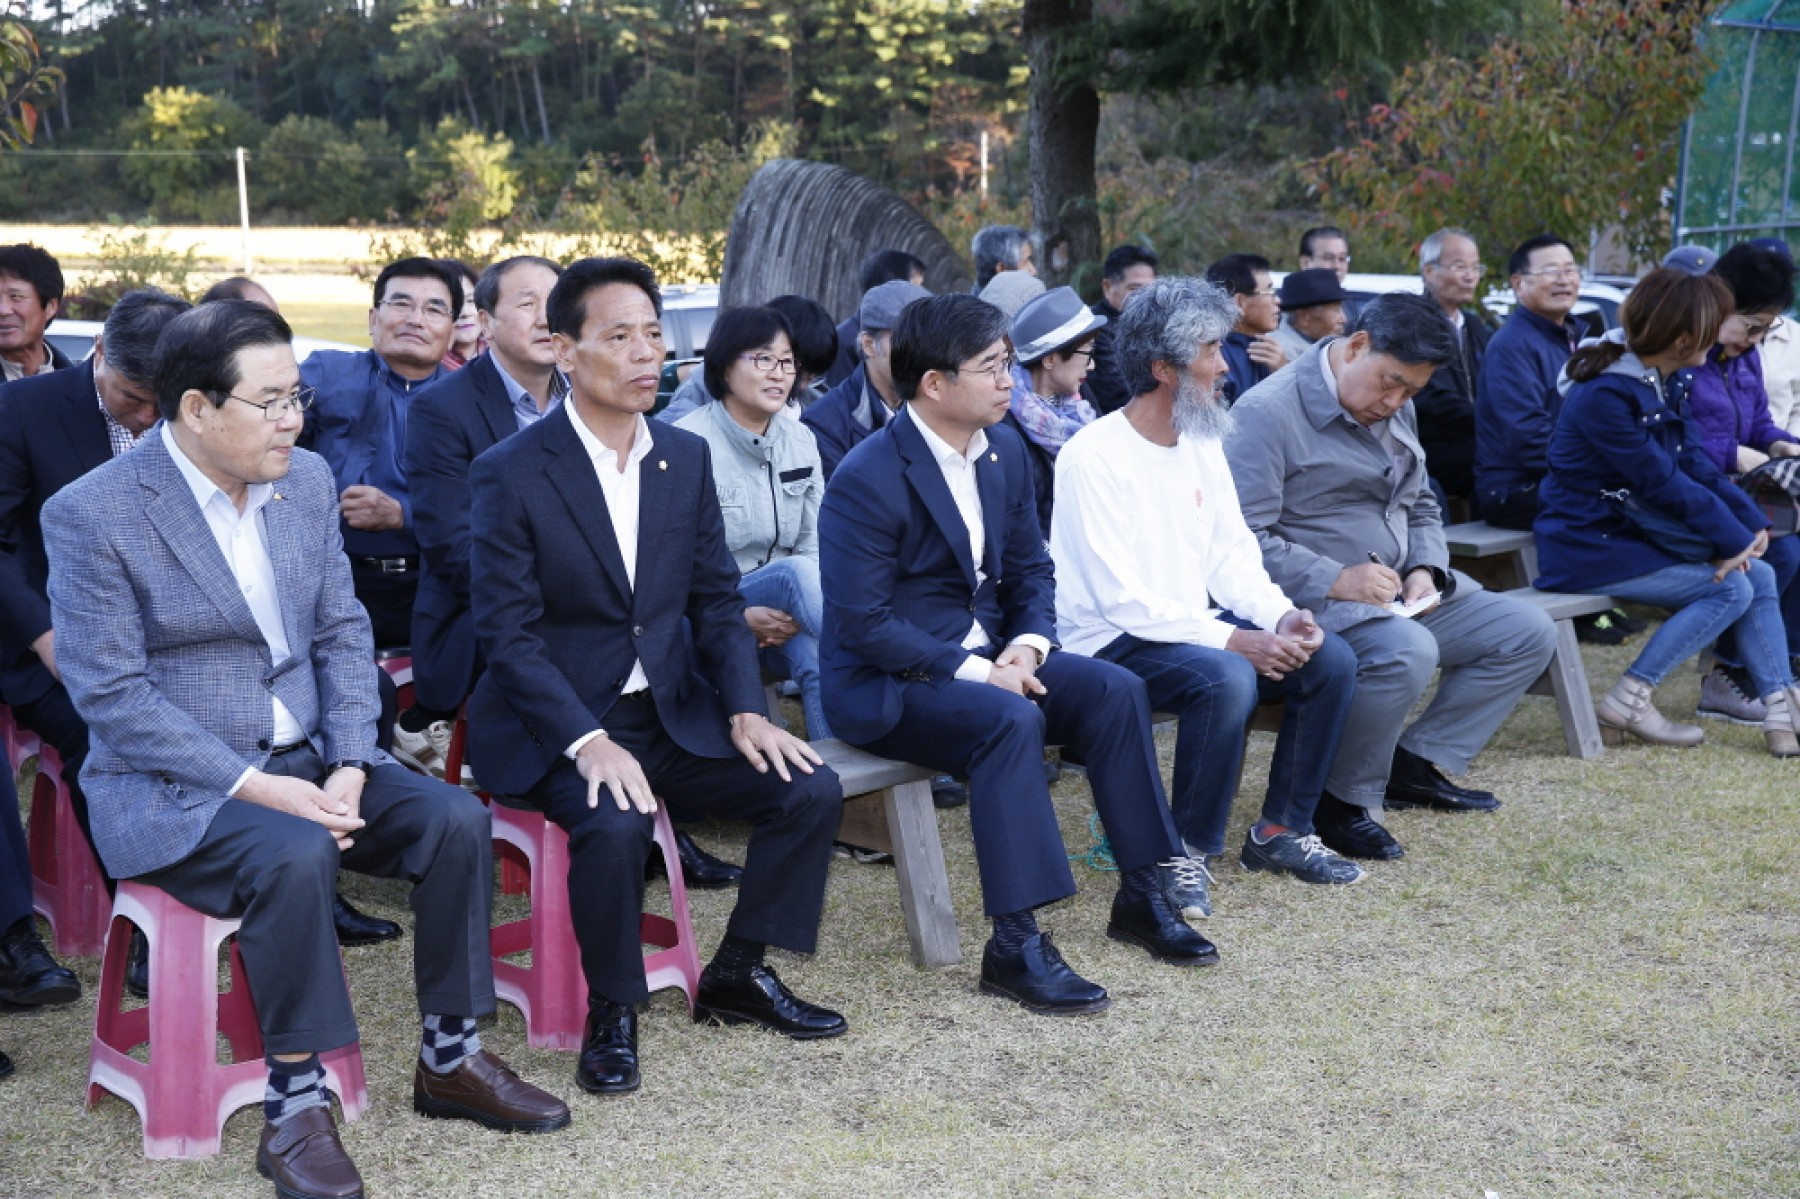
[(560, 624), (449, 425), (832, 420), (899, 582), (51, 433)]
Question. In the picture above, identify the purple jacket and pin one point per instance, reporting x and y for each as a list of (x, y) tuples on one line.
[(1729, 407)]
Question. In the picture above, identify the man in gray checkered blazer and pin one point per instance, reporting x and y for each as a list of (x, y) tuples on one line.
[(210, 637)]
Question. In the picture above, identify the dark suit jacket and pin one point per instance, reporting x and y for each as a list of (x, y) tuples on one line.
[(560, 625), (899, 583), (51, 433), (448, 426), (1446, 410), (832, 418)]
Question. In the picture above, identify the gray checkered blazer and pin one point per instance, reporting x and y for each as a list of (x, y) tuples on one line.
[(164, 661)]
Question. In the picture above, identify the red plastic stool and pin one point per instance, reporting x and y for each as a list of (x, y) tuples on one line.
[(552, 992), (515, 873), (182, 1094), (19, 743), (67, 886), (398, 665)]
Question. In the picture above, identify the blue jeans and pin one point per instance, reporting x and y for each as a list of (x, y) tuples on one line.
[(791, 585), (1747, 603), (1213, 692), (1783, 557)]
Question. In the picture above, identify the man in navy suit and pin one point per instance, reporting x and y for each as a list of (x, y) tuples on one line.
[(450, 424), (54, 428), (620, 669), (940, 622)]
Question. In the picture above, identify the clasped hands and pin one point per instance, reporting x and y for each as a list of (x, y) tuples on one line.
[(337, 804), (1275, 655)]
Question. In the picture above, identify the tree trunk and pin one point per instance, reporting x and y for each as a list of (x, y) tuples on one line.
[(1065, 125), (537, 88)]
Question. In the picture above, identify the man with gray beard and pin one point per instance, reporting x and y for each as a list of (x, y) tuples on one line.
[(1147, 537)]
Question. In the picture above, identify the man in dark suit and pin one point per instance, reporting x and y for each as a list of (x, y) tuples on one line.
[(53, 430), (865, 401), (1450, 265), (620, 669), (213, 643), (940, 619)]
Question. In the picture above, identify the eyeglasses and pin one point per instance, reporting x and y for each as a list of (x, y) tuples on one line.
[(1569, 271), (1085, 353), (1268, 294), (1755, 330), (298, 400), (1000, 372), (768, 362), (1473, 269), (406, 306), (1331, 259)]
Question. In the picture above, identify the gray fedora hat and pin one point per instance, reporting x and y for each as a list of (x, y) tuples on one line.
[(1055, 320)]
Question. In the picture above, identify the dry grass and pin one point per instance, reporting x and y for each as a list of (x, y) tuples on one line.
[(1588, 993)]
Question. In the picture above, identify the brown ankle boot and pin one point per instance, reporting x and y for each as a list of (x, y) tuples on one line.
[(1627, 709)]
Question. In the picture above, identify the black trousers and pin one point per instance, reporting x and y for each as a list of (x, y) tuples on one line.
[(1512, 510), (277, 874), (782, 894), (388, 599)]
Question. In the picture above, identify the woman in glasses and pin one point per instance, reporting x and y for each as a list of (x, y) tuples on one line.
[(769, 481), (1729, 409), (1053, 347)]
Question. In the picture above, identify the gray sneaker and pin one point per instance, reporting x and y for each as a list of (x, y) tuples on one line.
[(1184, 883), (1306, 858), (1724, 696)]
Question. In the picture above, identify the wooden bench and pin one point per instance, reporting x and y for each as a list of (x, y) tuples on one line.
[(1476, 539), (887, 807)]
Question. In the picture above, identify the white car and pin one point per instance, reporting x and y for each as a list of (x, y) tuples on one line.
[(75, 339), (1597, 309)]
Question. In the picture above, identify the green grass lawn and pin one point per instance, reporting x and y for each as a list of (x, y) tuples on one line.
[(1588, 993)]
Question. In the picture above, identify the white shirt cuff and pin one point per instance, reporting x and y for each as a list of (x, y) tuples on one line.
[(575, 745), (242, 779), (1035, 641), (974, 669)]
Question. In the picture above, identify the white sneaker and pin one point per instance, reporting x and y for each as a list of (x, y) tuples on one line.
[(424, 751)]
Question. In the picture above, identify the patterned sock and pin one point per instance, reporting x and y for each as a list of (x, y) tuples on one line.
[(1139, 883), (446, 1041), (1012, 930), (293, 1087), (736, 957)]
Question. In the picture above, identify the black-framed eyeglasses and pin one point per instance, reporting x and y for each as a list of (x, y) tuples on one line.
[(1755, 330), (768, 363), (298, 400)]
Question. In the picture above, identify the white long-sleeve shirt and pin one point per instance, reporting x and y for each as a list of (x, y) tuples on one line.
[(1149, 540)]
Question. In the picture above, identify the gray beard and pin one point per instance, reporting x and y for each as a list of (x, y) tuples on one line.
[(1199, 416)]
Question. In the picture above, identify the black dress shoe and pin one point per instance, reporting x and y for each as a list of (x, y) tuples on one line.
[(29, 976), (1037, 978), (699, 869), (354, 928), (1348, 829), (1149, 922), (759, 997), (1416, 782), (946, 792), (609, 1052), (137, 965), (6, 1066)]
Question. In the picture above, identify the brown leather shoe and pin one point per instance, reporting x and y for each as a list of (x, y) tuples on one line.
[(484, 1089), (305, 1159)]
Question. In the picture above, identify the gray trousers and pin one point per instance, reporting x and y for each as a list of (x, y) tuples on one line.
[(278, 874), (1489, 649)]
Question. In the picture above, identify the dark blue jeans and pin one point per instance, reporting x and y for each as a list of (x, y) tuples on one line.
[(1214, 692)]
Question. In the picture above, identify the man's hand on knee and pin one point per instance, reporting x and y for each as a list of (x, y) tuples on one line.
[(604, 761), (297, 797), (763, 745)]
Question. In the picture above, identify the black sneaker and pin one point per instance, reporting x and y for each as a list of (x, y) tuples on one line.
[(1599, 629), (1631, 625), (1306, 858)]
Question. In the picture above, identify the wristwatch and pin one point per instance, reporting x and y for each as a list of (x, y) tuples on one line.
[(353, 764)]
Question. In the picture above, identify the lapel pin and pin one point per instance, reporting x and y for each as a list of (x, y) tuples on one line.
[(993, 457), (279, 496), (662, 464)]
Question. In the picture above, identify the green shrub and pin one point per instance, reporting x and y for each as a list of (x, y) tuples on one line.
[(191, 176)]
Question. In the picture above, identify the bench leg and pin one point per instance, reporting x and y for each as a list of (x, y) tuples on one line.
[(924, 884), (1567, 676)]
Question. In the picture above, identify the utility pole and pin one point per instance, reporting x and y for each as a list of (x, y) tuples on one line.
[(244, 211)]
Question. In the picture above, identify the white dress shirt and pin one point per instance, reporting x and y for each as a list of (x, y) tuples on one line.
[(244, 542), (1780, 355), (959, 476), (1149, 540), (622, 491)]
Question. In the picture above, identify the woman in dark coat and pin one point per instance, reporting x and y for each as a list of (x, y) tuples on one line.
[(1633, 507)]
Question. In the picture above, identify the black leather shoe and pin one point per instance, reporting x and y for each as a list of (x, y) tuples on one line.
[(759, 997), (609, 1052), (946, 792), (699, 869), (29, 976), (1150, 923), (354, 928), (1349, 830), (137, 965), (6, 1066), (1037, 978), (1416, 782)]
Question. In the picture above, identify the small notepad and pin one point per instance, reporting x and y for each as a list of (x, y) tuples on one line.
[(1423, 604)]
